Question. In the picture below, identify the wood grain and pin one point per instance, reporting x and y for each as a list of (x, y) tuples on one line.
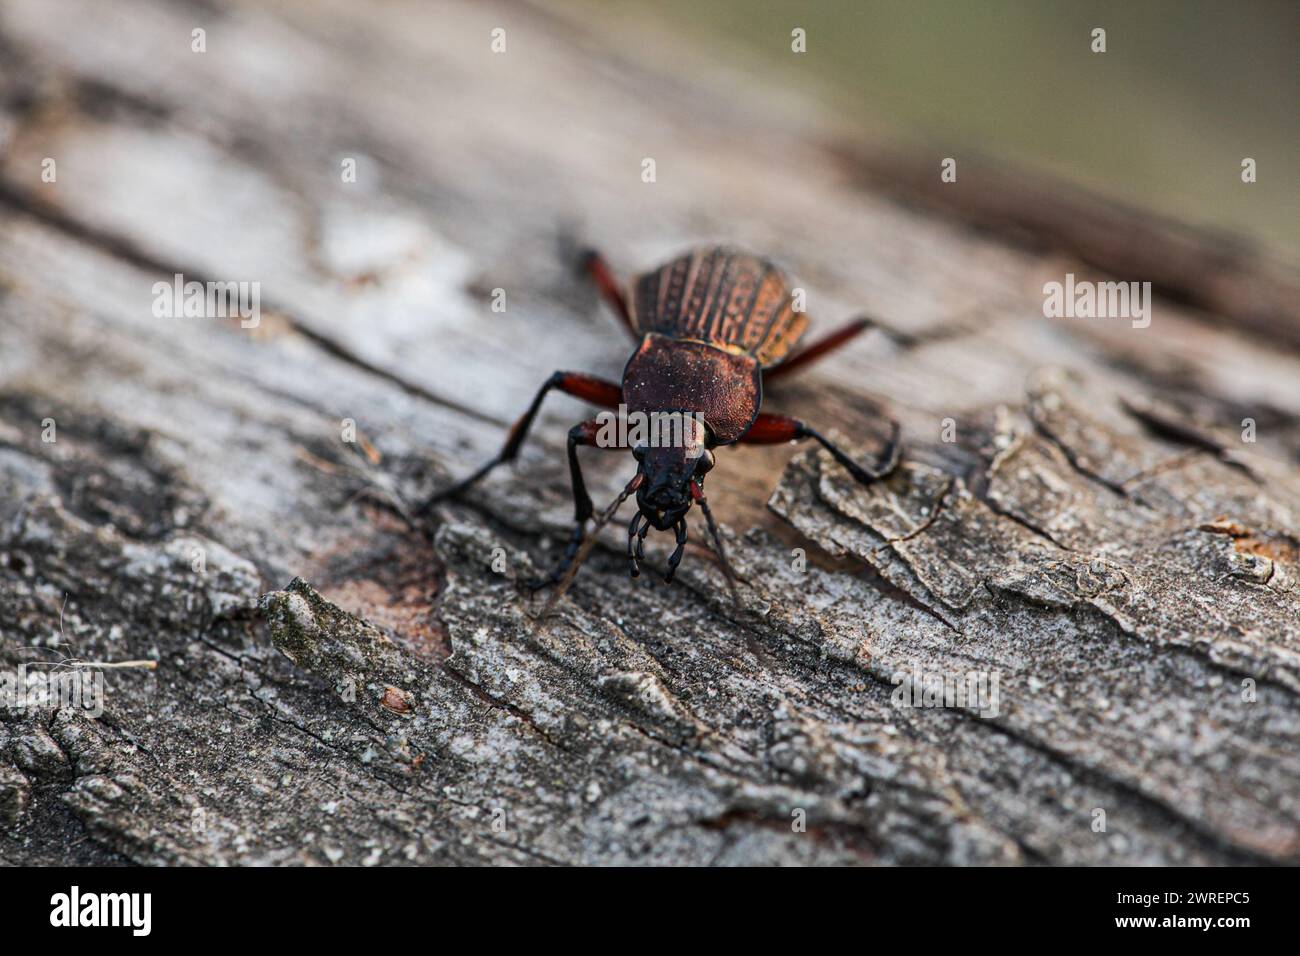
[(1097, 536)]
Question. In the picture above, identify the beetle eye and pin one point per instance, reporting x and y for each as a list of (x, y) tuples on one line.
[(639, 452), (705, 464)]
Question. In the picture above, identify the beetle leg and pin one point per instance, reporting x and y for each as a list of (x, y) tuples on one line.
[(587, 387), (676, 557), (610, 288), (775, 429), (640, 539), (581, 434), (632, 555), (823, 346), (570, 553), (590, 542)]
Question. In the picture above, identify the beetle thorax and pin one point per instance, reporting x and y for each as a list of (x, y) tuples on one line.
[(723, 388)]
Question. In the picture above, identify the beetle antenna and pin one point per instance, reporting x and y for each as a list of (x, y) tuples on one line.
[(722, 551), (589, 542)]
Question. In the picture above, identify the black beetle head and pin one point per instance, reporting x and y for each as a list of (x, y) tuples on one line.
[(665, 494)]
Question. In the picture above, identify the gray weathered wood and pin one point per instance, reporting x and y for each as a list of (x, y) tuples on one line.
[(1098, 537)]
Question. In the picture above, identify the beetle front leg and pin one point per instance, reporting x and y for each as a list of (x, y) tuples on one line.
[(582, 434), (637, 529), (676, 557), (587, 387), (775, 429)]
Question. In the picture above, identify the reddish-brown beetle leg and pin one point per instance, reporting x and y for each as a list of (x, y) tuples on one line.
[(775, 429), (587, 387), (610, 288), (820, 348)]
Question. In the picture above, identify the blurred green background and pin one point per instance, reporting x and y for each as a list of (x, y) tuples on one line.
[(1162, 120)]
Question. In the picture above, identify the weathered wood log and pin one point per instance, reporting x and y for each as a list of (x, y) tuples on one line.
[(334, 685)]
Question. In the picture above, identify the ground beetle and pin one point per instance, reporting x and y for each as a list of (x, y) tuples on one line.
[(712, 324)]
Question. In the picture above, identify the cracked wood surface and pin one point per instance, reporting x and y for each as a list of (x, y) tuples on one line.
[(335, 687)]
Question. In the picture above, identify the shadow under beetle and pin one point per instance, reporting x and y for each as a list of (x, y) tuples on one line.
[(712, 325)]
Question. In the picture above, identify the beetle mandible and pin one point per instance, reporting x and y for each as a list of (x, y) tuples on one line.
[(712, 326)]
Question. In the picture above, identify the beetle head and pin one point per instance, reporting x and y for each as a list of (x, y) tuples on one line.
[(665, 494)]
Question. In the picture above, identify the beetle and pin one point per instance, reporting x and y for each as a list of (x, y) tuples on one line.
[(712, 326)]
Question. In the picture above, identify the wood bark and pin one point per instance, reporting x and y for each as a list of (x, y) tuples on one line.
[(333, 685)]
